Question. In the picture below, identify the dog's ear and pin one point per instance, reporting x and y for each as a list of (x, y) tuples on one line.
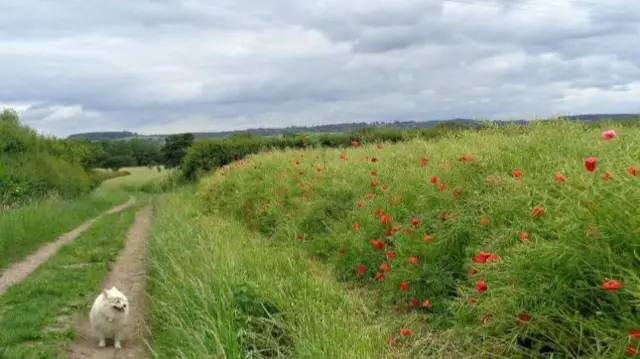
[(105, 293)]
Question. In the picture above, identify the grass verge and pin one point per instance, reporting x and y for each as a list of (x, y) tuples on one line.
[(217, 290), (35, 315), (24, 229)]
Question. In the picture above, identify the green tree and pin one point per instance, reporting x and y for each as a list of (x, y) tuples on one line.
[(175, 148)]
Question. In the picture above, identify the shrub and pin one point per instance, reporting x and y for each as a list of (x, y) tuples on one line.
[(207, 155), (33, 166)]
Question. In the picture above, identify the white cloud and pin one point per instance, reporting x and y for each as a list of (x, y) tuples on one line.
[(192, 65)]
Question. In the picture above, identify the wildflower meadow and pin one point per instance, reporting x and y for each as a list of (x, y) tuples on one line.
[(518, 241)]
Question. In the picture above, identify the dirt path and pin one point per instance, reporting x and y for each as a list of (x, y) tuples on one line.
[(17, 272), (128, 275)]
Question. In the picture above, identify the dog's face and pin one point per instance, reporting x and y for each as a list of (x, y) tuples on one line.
[(115, 300)]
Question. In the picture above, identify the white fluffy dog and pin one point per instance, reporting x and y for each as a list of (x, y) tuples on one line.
[(109, 316)]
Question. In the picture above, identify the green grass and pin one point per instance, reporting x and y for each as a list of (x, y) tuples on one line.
[(35, 315), (142, 179), (325, 202), (217, 290), (25, 229)]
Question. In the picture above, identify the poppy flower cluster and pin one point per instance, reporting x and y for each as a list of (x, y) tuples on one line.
[(394, 239)]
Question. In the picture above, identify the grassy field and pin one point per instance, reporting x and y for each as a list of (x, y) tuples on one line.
[(218, 290), (35, 314), (24, 229), (512, 241), (143, 179)]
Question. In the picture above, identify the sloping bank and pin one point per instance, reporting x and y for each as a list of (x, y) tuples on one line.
[(217, 290)]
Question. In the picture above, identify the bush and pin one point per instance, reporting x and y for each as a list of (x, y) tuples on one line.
[(556, 245), (207, 155), (35, 167)]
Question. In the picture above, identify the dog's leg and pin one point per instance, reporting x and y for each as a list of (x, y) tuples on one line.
[(116, 340), (102, 343)]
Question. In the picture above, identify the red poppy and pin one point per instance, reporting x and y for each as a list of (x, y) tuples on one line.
[(414, 260), (442, 186), (632, 171), (523, 318), (380, 277), (385, 267), (343, 156), (484, 221), (361, 269), (404, 285), (433, 179), (378, 244), (379, 213), (424, 161), (538, 211), (428, 238), (634, 333), (386, 219), (413, 302), (375, 183), (354, 143), (524, 236), (415, 221), (560, 177), (356, 226), (607, 135), (481, 286), (426, 303), (517, 173), (611, 285), (405, 332), (631, 350), (392, 340), (590, 163), (391, 254)]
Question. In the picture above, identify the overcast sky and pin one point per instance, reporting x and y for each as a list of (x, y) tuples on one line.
[(166, 66)]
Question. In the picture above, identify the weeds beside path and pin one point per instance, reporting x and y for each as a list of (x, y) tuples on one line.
[(217, 290), (24, 229), (20, 270)]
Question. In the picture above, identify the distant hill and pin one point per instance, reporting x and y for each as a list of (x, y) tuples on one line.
[(341, 127)]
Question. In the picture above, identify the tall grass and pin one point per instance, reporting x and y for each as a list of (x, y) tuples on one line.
[(218, 291), (512, 207)]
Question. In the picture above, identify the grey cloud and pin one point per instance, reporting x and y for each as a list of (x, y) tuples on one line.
[(171, 65)]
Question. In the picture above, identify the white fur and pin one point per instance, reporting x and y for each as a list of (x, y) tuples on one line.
[(106, 320)]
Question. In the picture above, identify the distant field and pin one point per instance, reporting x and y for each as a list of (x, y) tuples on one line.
[(503, 239), (138, 178)]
